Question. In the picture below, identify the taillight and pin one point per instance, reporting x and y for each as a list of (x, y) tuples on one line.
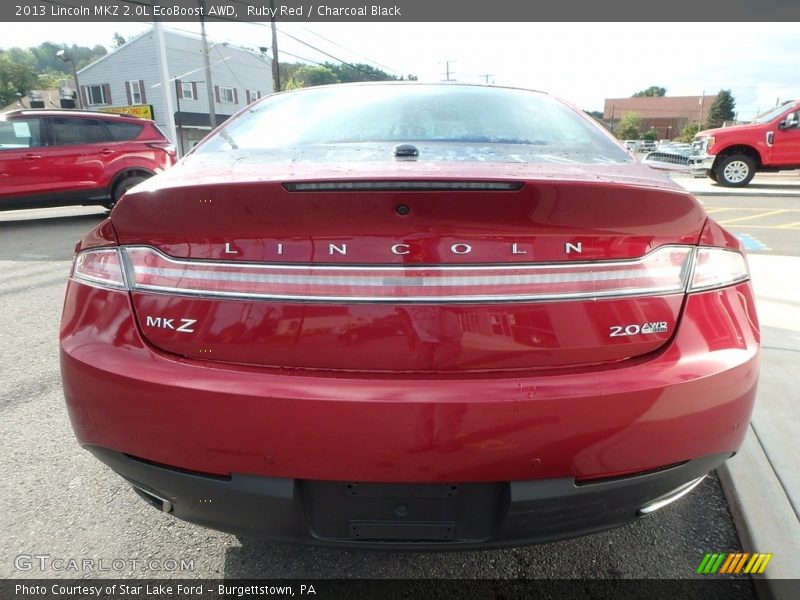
[(101, 266), (662, 271), (718, 267), (166, 146)]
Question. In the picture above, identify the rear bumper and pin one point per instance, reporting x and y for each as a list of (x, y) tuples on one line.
[(398, 516)]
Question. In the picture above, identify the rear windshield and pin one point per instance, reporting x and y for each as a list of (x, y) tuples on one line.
[(446, 122)]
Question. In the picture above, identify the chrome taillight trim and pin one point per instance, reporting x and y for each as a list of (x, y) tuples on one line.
[(376, 276)]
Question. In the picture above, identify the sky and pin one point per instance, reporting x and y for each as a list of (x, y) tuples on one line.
[(584, 63)]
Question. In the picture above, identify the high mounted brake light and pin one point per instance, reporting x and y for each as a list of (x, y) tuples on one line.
[(402, 186)]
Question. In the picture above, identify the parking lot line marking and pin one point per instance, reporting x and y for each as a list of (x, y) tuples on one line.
[(717, 209), (769, 213), (737, 226), (754, 208), (751, 243), (793, 225)]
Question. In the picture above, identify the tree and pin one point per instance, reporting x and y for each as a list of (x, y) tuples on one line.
[(651, 134), (16, 77), (629, 126), (118, 40), (689, 131), (297, 75), (650, 92), (309, 76), (722, 109)]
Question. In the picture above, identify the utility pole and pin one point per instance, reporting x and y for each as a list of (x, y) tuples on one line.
[(447, 72), (702, 102), (212, 115), (161, 58), (179, 122), (276, 69)]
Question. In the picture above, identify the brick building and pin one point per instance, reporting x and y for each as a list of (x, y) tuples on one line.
[(668, 114)]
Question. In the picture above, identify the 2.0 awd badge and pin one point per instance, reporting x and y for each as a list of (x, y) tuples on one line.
[(633, 328)]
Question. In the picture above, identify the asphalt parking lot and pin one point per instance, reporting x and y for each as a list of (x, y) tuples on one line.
[(61, 502)]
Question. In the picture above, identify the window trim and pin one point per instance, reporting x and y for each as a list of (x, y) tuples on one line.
[(89, 97), (222, 98), (136, 82), (190, 89)]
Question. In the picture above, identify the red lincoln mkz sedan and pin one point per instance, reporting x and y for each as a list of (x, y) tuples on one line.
[(410, 316)]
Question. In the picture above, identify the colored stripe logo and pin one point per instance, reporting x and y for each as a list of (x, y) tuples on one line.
[(733, 563)]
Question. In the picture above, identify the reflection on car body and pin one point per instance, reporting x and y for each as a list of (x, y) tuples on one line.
[(510, 333)]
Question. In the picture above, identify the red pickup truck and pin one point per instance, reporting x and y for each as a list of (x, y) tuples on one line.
[(731, 156)]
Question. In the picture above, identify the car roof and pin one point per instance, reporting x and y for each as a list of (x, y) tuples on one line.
[(56, 112)]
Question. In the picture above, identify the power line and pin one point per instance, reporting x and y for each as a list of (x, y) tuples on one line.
[(351, 51), (354, 67), (303, 59)]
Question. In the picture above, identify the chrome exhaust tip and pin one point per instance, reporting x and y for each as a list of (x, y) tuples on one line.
[(152, 499), (669, 498)]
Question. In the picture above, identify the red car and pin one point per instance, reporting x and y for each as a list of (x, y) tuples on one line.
[(66, 157), (731, 156), (551, 338)]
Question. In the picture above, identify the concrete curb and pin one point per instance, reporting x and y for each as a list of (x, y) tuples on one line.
[(764, 518), (749, 194), (764, 185)]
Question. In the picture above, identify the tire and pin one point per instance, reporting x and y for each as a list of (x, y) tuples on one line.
[(735, 170), (123, 186), (712, 175)]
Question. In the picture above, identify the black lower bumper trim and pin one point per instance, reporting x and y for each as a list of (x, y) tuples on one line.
[(403, 516)]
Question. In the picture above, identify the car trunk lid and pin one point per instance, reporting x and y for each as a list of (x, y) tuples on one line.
[(382, 270)]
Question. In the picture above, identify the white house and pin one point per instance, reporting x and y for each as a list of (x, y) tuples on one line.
[(129, 76)]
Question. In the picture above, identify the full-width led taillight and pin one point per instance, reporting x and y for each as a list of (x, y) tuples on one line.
[(663, 271)]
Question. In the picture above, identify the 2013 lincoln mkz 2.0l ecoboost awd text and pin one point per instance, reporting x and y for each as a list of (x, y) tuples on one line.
[(410, 316)]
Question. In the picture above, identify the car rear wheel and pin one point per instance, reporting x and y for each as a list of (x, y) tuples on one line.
[(122, 187), (735, 170)]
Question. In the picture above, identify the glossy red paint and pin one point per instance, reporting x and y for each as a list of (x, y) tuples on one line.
[(196, 208), (692, 398), (185, 216), (397, 338)]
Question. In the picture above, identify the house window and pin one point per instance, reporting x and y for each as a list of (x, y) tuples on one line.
[(226, 94), (136, 92), (187, 91), (253, 95), (96, 94)]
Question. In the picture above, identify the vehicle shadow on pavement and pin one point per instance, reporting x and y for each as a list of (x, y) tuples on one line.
[(669, 544)]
